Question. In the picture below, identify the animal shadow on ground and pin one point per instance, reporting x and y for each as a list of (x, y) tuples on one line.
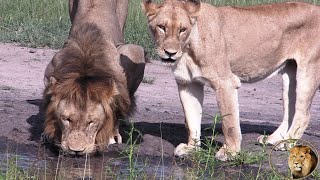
[(36, 121), (177, 133), (171, 132)]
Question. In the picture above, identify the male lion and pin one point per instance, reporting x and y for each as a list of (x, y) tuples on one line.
[(92, 80), (223, 46), (302, 161)]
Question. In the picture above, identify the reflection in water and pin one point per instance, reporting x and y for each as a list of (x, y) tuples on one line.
[(40, 163)]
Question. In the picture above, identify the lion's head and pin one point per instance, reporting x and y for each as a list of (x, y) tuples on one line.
[(85, 95), (301, 161), (170, 24)]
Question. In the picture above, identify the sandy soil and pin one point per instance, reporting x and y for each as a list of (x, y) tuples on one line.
[(159, 116)]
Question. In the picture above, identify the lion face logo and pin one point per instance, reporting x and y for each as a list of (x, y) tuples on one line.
[(170, 24), (302, 161)]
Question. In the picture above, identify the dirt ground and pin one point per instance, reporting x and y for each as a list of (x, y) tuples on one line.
[(159, 116)]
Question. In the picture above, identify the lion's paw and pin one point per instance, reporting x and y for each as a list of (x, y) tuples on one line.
[(183, 149), (224, 155), (112, 141)]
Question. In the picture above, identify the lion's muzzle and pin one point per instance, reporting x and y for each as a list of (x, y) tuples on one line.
[(78, 143)]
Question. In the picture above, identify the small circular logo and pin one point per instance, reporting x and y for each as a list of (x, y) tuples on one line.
[(293, 158)]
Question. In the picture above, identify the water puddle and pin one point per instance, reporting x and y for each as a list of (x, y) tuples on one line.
[(30, 161)]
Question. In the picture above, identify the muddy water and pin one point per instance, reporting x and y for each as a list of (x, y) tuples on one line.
[(37, 162)]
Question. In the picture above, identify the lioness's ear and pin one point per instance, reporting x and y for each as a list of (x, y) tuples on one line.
[(192, 6), (150, 9)]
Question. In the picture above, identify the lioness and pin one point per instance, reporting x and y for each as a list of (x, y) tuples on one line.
[(302, 161), (90, 83), (223, 46)]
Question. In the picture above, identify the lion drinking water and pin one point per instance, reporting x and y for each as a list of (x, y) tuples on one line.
[(91, 81), (224, 46)]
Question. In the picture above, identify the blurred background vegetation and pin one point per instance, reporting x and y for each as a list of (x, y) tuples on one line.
[(45, 23)]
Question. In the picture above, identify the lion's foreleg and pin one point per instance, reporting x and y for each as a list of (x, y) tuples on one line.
[(227, 97), (191, 96)]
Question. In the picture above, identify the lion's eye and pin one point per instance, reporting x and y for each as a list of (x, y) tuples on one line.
[(65, 118), (182, 30), (162, 28)]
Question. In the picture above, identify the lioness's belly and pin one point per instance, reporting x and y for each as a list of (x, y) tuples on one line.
[(256, 70)]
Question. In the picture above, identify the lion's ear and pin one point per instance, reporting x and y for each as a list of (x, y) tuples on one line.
[(51, 84), (150, 8), (52, 81), (308, 150), (192, 6)]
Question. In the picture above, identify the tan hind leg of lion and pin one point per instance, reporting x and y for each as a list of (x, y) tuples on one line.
[(191, 96), (307, 86), (132, 60), (122, 12), (289, 102)]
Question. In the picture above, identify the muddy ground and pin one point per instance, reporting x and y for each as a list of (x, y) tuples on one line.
[(159, 116)]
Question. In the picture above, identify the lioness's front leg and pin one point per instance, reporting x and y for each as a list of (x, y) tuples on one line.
[(227, 98), (191, 96)]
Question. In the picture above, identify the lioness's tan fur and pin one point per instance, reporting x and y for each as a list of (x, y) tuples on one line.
[(91, 81), (223, 46), (302, 161)]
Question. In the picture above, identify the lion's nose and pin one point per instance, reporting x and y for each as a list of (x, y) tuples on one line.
[(170, 53)]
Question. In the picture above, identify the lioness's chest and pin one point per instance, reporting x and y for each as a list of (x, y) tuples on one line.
[(186, 71)]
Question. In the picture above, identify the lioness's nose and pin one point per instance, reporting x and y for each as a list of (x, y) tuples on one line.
[(170, 52)]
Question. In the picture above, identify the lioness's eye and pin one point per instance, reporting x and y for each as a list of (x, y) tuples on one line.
[(183, 30), (162, 27)]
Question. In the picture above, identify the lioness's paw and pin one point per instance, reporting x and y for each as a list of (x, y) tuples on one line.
[(183, 149), (224, 155), (263, 139), (280, 147)]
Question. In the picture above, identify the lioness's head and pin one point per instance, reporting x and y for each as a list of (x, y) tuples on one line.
[(170, 24), (85, 95)]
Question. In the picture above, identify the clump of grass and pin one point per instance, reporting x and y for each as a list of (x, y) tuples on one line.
[(14, 172), (6, 88), (34, 22), (203, 160), (205, 165), (148, 80), (130, 153), (46, 23)]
